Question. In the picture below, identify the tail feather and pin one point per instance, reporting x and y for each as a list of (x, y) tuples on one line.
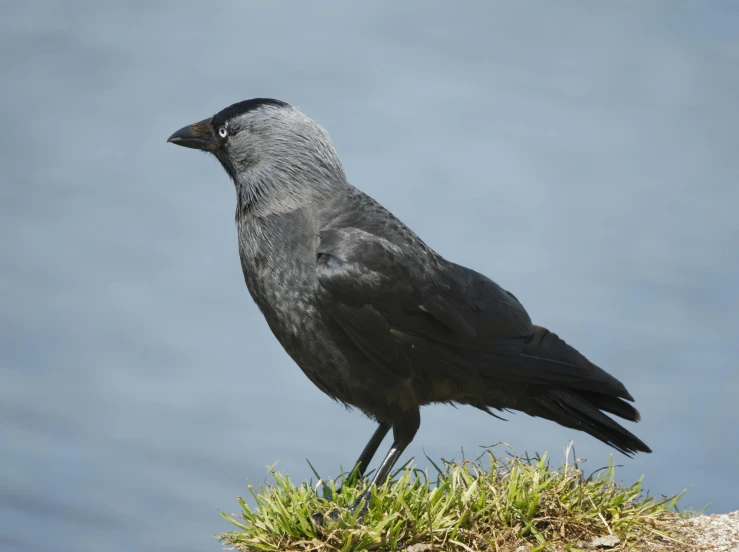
[(554, 360), (610, 404), (577, 391), (571, 408)]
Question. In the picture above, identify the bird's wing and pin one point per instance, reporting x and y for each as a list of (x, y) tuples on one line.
[(461, 337), (397, 302)]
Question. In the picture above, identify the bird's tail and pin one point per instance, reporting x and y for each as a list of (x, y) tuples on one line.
[(577, 393), (582, 410)]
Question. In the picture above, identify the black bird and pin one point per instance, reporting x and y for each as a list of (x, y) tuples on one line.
[(372, 315)]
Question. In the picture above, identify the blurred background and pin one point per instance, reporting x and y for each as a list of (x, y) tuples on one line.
[(583, 155)]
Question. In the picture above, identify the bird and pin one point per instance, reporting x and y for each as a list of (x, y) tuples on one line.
[(373, 316)]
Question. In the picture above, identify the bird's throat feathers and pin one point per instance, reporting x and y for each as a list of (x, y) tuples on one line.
[(272, 188)]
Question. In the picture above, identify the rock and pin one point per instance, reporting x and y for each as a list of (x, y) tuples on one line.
[(719, 532), (419, 548), (609, 541)]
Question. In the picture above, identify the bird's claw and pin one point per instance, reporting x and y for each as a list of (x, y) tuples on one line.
[(362, 504), (319, 518)]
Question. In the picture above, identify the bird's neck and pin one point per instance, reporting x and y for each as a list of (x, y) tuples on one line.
[(262, 193)]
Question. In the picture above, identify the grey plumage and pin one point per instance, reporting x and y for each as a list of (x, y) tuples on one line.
[(373, 316)]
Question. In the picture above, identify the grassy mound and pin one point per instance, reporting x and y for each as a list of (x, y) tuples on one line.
[(493, 503)]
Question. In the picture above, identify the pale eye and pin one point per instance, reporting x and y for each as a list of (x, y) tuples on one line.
[(223, 132)]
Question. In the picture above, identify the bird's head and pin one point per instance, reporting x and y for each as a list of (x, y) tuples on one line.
[(266, 146)]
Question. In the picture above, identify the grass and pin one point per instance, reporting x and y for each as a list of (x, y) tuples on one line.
[(493, 503)]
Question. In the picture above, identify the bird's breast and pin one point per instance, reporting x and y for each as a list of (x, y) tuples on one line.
[(279, 271)]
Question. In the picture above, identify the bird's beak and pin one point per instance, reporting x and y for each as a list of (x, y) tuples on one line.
[(197, 135)]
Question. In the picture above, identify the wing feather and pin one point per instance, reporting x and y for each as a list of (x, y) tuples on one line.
[(395, 305)]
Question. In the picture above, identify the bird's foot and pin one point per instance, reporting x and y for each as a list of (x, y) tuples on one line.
[(361, 504), (319, 518), (359, 508)]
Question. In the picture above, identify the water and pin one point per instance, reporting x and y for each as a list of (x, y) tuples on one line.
[(584, 157)]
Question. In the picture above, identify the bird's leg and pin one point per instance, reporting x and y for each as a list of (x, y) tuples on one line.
[(382, 473), (360, 466), (369, 451), (403, 433), (404, 429)]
